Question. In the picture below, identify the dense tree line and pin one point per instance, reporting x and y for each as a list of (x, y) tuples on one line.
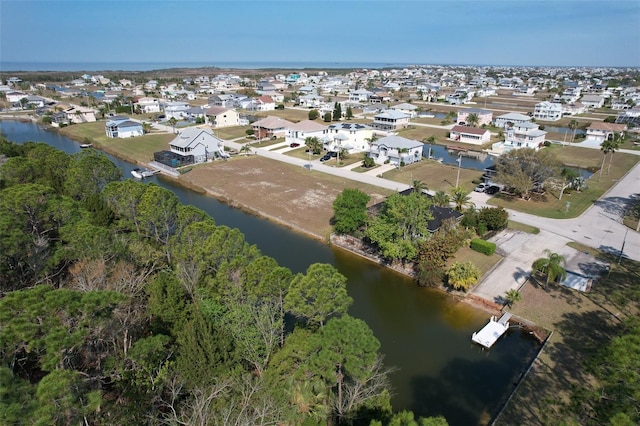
[(120, 305)]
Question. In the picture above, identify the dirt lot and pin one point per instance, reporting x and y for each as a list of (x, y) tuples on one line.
[(290, 195)]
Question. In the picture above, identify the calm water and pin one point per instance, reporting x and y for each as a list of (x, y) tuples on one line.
[(423, 332)]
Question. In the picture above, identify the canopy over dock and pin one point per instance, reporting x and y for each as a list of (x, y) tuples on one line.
[(492, 331)]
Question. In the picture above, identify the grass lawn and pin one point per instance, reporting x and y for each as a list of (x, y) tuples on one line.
[(517, 226), (550, 206), (293, 115), (231, 132), (581, 324), (437, 177), (482, 261), (139, 148), (421, 133)]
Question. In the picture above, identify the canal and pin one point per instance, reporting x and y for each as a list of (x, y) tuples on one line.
[(424, 333)]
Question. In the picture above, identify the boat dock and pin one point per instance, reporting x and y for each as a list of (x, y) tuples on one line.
[(491, 332)]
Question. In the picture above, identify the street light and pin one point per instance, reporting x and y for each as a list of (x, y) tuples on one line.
[(459, 160)]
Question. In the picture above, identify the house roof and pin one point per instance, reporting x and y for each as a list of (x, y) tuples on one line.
[(478, 111), (213, 111), (391, 114), (397, 142), (193, 135), (608, 127), (406, 106), (307, 126), (272, 123), (514, 116), (265, 99), (348, 126), (469, 130)]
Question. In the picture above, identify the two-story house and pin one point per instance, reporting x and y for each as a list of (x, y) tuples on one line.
[(396, 150), (197, 145), (360, 95), (123, 127), (148, 105), (222, 117), (471, 135), (511, 118), (299, 132), (353, 137), (406, 108), (390, 120), (484, 116), (521, 135), (601, 131), (548, 111), (271, 127)]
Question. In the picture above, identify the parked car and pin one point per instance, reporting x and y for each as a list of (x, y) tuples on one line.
[(481, 187), (294, 145), (332, 153), (493, 189), (325, 157)]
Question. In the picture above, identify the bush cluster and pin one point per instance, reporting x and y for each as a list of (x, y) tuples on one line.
[(482, 246)]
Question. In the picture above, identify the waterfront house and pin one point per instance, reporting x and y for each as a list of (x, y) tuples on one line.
[(406, 108), (592, 101), (390, 120), (148, 105), (360, 95), (511, 118), (197, 145), (521, 135), (353, 137), (630, 117), (312, 100), (484, 116), (222, 117), (123, 127), (471, 135), (396, 150), (177, 110), (601, 131), (299, 132), (271, 127), (548, 111), (77, 115)]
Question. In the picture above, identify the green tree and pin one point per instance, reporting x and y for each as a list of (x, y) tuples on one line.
[(318, 295), (525, 169), (419, 186), (441, 199), (618, 139), (314, 144), (472, 119), (460, 198), (367, 162), (246, 149), (172, 122), (573, 125), (89, 172), (551, 266), (495, 218), (313, 114), (349, 113), (337, 111), (350, 211), (462, 275), (327, 117), (512, 296)]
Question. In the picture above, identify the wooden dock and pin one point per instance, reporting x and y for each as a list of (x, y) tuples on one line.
[(491, 332)]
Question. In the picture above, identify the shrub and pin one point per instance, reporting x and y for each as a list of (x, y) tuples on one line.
[(327, 117), (495, 218), (249, 132), (482, 246), (313, 114), (462, 275), (547, 143), (482, 228)]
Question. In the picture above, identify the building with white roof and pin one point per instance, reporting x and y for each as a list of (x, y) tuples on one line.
[(548, 111), (396, 150)]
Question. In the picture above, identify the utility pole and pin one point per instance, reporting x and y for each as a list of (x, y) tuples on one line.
[(459, 160)]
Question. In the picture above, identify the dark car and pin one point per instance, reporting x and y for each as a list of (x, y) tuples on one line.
[(294, 145), (332, 153), (493, 189), (325, 157)]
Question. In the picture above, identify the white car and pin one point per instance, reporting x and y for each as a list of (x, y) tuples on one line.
[(481, 187)]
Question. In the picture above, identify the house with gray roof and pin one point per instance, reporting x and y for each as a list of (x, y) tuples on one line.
[(198, 144), (390, 120), (354, 137), (123, 127), (511, 118), (396, 150)]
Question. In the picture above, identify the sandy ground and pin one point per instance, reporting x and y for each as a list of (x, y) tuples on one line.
[(293, 196)]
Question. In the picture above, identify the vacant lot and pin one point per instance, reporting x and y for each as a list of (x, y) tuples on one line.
[(296, 197)]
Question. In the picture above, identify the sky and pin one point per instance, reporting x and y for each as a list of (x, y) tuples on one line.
[(502, 32)]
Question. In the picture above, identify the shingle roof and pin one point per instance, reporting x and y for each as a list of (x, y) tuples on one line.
[(307, 126), (469, 130), (272, 123), (397, 142)]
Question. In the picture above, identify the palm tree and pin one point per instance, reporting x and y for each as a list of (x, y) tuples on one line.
[(618, 139), (608, 146), (512, 296), (246, 149), (146, 127), (460, 198), (172, 121), (472, 119), (552, 266), (573, 125), (419, 186), (441, 199)]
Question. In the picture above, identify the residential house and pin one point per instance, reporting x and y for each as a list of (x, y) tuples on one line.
[(484, 116), (630, 117), (573, 109), (311, 100), (390, 120), (262, 103), (592, 101), (601, 131), (15, 97), (353, 137), (520, 135), (471, 135), (379, 97), (271, 127), (299, 132), (80, 115), (524, 90), (406, 108), (148, 105), (548, 111), (396, 150), (512, 118), (222, 117), (177, 110), (123, 127), (360, 95), (197, 145), (193, 113), (36, 101), (486, 92)]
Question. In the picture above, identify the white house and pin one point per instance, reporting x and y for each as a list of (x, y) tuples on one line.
[(484, 116), (15, 97), (471, 135), (299, 132), (262, 103), (312, 100), (80, 115), (353, 137), (548, 111), (148, 105), (521, 135), (406, 108), (360, 95), (222, 117), (592, 101), (601, 131), (396, 150), (271, 127), (123, 127), (177, 110), (511, 118), (390, 120), (198, 144)]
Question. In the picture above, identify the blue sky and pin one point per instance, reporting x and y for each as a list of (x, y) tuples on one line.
[(514, 32)]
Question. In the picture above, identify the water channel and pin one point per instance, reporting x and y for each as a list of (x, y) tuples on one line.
[(424, 333)]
